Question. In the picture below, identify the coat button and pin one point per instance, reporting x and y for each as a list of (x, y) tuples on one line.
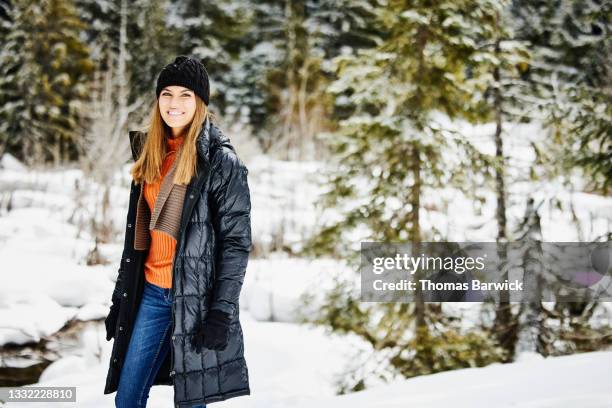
[(114, 360), (127, 259), (129, 225), (120, 328), (124, 294), (173, 338), (172, 373), (190, 195)]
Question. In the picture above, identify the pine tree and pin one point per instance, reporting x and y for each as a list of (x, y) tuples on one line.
[(571, 45), (249, 79), (5, 18), (152, 45), (342, 26), (5, 27), (394, 147), (591, 110), (213, 32), (276, 78), (278, 85), (45, 69), (546, 77), (552, 326), (102, 25), (506, 98), (147, 45)]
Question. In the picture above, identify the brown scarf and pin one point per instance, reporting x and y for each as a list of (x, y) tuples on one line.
[(166, 212)]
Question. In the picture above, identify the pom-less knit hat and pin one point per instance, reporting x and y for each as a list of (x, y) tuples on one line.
[(188, 72)]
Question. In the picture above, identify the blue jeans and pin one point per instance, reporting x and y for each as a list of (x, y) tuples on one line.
[(149, 346)]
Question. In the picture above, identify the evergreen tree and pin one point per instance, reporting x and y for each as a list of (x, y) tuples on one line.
[(5, 18), (45, 70), (101, 31), (151, 46), (591, 104), (213, 32), (278, 86), (506, 99), (253, 79), (394, 148), (541, 34), (270, 87), (147, 45), (338, 26), (299, 102), (570, 72), (558, 326)]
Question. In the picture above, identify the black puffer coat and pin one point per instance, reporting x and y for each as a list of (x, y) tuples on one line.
[(208, 271)]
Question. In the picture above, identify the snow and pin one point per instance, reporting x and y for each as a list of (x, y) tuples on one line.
[(47, 283), (39, 316), (287, 363), (273, 287), (8, 161), (44, 283), (283, 196), (295, 365), (560, 382)]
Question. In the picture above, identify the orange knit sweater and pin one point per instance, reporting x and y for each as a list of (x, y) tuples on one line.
[(158, 265)]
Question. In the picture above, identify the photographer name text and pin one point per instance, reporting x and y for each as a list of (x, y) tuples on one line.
[(427, 285)]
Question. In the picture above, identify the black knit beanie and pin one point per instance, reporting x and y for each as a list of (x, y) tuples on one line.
[(188, 72)]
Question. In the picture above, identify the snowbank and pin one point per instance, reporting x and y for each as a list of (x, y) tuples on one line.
[(580, 380)]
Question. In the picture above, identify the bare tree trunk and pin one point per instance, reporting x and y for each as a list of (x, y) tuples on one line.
[(415, 201), (506, 324), (55, 149)]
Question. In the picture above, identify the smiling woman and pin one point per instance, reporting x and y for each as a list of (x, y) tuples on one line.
[(180, 110), (175, 312), (177, 107)]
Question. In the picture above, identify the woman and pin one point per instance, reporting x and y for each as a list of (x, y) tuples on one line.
[(175, 311)]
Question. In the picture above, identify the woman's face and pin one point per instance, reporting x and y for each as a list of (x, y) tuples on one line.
[(177, 106)]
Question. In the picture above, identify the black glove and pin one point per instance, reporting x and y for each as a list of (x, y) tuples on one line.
[(214, 333), (111, 322)]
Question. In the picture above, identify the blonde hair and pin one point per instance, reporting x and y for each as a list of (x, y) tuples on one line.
[(148, 166)]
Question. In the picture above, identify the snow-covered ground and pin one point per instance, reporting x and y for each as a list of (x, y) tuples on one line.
[(292, 365), (46, 283), (577, 381), (287, 363)]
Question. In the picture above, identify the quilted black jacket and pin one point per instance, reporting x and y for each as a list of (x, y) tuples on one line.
[(209, 266)]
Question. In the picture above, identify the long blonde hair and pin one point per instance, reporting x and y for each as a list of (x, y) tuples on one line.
[(148, 166)]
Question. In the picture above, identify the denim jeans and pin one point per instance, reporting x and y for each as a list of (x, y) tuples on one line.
[(149, 346)]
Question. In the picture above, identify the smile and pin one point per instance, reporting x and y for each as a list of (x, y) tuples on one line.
[(174, 113)]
